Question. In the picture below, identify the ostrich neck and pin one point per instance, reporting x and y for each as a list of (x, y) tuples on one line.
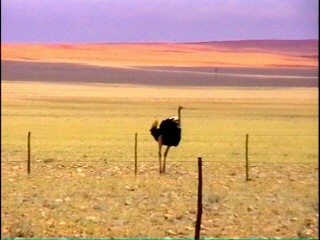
[(179, 116)]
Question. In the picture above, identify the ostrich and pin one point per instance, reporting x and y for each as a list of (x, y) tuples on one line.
[(168, 134)]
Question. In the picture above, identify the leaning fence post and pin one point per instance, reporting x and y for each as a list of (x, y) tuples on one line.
[(29, 152), (199, 213), (135, 154), (247, 157)]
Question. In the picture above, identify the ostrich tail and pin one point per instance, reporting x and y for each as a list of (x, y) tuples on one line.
[(154, 125), (155, 131)]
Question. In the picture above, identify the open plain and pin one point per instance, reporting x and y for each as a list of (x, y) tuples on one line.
[(82, 181)]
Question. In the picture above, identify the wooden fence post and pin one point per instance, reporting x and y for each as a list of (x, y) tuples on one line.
[(29, 152), (247, 157), (136, 154), (199, 213)]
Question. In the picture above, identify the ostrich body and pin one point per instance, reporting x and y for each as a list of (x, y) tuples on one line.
[(168, 134)]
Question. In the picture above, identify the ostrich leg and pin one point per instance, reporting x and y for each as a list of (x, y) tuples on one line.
[(164, 159), (159, 153)]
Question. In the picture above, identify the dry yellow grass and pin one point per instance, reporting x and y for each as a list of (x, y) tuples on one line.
[(81, 133), (42, 90)]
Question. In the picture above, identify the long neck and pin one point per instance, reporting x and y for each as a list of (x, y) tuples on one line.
[(179, 115)]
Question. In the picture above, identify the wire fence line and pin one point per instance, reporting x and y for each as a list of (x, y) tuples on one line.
[(48, 153), (99, 144), (155, 160), (109, 160), (148, 135), (262, 155), (124, 146)]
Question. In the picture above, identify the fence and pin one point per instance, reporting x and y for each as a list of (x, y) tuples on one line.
[(246, 158), (236, 149)]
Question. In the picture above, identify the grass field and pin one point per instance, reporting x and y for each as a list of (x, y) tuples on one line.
[(82, 182)]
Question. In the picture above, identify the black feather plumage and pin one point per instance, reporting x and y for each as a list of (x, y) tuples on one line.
[(170, 131)]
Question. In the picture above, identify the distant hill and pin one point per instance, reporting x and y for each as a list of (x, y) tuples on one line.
[(310, 46), (300, 48), (248, 63), (246, 53), (160, 76)]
